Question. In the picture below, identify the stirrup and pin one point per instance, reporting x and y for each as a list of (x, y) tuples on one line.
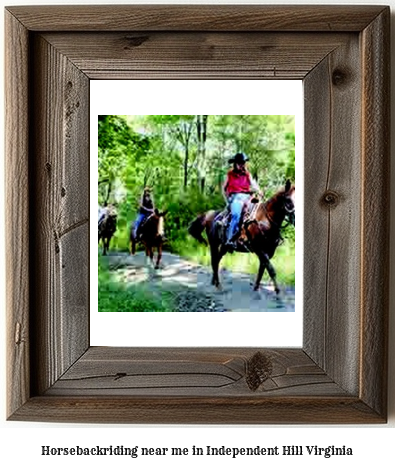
[(231, 246)]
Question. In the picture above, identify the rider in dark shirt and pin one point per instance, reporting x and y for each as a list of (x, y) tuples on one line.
[(146, 208)]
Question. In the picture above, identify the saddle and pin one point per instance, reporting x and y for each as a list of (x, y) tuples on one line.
[(222, 221)]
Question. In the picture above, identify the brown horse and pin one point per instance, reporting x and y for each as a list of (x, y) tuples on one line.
[(259, 233), (107, 226), (151, 234)]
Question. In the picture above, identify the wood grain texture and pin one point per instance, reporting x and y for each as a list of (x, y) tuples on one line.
[(188, 372), (60, 197), (376, 211), (123, 385), (332, 198), (196, 17), (17, 213), (198, 54), (317, 113), (198, 410), (339, 376)]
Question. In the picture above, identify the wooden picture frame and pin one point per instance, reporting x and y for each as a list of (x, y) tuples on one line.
[(340, 374)]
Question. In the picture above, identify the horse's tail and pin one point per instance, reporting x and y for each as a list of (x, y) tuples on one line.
[(197, 227)]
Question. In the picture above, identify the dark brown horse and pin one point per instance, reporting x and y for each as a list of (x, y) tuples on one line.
[(107, 226), (259, 233), (151, 234)]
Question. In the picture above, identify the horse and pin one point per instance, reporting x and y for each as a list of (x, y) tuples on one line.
[(151, 234), (260, 232), (107, 225)]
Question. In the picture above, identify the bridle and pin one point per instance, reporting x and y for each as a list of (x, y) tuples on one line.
[(288, 216)]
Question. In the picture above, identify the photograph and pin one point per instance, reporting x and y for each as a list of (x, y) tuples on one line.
[(196, 213)]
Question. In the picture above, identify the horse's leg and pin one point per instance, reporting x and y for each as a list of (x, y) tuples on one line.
[(264, 263), (147, 253), (133, 240), (263, 260), (216, 255), (132, 246), (159, 256), (151, 253), (214, 263), (272, 274)]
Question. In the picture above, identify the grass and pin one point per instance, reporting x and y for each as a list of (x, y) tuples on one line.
[(115, 297), (283, 260)]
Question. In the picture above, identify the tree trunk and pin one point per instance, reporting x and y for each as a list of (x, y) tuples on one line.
[(186, 166), (201, 122)]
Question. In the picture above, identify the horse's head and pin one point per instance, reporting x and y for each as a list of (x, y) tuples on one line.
[(154, 226), (279, 207), (289, 202), (161, 222), (160, 214)]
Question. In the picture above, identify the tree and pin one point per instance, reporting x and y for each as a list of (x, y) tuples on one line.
[(201, 165), (120, 149), (184, 158)]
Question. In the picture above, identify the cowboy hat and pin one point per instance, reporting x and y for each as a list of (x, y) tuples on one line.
[(239, 158)]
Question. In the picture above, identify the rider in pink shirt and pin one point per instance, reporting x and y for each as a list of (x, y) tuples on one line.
[(237, 188)]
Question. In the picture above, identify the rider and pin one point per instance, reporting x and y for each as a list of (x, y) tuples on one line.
[(237, 188), (146, 208), (103, 212)]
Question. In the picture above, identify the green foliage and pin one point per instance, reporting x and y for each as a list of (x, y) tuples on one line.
[(119, 149), (185, 164), (115, 297)]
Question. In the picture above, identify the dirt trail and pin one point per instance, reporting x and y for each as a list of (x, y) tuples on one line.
[(191, 285)]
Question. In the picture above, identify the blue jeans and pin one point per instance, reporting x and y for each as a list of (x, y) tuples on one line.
[(137, 223), (236, 203)]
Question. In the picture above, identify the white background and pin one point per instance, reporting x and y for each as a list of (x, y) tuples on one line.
[(20, 443), (168, 97)]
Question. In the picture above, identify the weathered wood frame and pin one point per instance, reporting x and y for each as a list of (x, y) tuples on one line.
[(340, 374)]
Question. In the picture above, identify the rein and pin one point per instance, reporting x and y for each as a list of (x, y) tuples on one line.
[(270, 219)]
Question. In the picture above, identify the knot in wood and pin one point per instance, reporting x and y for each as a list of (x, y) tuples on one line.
[(259, 369), (339, 77), (330, 198), (135, 41)]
